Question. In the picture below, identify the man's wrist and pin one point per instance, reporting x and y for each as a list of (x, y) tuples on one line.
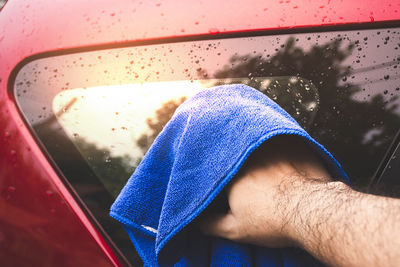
[(307, 202)]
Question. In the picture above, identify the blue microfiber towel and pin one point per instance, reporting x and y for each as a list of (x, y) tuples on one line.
[(197, 153)]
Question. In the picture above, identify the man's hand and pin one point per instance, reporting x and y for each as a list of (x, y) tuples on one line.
[(283, 196), (258, 196), (260, 208)]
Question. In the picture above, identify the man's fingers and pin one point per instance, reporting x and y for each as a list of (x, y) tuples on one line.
[(221, 225)]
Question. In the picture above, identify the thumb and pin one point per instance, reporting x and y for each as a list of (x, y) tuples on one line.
[(221, 225)]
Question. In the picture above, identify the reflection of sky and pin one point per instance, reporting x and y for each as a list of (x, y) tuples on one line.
[(114, 117), (374, 64)]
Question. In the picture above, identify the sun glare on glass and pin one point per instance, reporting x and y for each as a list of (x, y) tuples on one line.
[(114, 117)]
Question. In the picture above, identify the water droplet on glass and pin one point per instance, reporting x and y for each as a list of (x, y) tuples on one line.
[(213, 31), (11, 189)]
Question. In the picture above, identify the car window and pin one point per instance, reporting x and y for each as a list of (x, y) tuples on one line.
[(97, 112)]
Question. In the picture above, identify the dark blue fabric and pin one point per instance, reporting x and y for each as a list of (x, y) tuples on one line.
[(196, 154)]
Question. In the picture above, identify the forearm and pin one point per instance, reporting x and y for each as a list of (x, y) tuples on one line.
[(342, 227), (274, 202)]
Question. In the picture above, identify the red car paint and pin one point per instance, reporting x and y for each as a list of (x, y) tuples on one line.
[(41, 222)]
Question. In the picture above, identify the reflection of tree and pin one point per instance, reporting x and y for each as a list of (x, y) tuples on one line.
[(342, 123), (358, 133), (113, 171), (162, 116)]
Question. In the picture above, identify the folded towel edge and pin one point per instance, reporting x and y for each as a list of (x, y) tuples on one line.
[(146, 230)]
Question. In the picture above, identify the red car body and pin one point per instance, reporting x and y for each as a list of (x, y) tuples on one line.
[(42, 222)]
